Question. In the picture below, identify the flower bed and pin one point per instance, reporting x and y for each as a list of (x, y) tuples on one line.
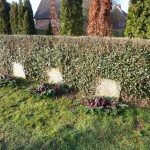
[(107, 105), (6, 80), (46, 89)]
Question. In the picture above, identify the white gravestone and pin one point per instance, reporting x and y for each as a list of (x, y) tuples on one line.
[(18, 70), (108, 88), (54, 76)]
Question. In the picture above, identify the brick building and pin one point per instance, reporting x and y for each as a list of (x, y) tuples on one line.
[(42, 17)]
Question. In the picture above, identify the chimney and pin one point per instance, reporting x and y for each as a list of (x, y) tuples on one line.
[(118, 5)]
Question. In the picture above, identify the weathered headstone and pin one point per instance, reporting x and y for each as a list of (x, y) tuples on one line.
[(108, 88), (54, 76), (18, 70)]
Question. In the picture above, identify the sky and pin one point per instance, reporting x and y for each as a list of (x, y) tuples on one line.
[(35, 4)]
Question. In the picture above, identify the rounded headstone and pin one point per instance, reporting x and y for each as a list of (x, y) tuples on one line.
[(18, 70), (108, 88), (54, 76)]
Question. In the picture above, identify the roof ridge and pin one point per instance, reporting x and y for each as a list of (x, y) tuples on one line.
[(43, 10)]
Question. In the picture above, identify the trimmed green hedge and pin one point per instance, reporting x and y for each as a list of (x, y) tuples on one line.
[(82, 60)]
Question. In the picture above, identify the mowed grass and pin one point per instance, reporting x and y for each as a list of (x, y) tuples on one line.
[(32, 123)]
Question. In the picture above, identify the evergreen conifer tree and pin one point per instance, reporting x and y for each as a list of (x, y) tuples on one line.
[(20, 17), (28, 10), (138, 19), (49, 30), (26, 24), (71, 17), (147, 17), (8, 5), (14, 18), (4, 17)]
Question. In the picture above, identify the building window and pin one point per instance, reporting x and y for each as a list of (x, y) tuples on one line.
[(121, 24)]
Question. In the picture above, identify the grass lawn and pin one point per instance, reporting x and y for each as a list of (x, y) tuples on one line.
[(31, 123)]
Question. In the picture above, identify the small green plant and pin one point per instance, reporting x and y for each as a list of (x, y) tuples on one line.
[(6, 80), (46, 89), (101, 104)]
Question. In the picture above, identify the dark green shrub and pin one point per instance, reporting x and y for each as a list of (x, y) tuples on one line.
[(119, 33), (41, 32), (49, 30)]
